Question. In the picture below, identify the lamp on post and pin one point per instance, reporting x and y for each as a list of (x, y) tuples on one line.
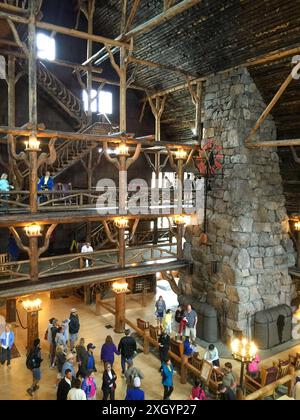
[(120, 287), (180, 221), (32, 307), (33, 144), (33, 231), (244, 351)]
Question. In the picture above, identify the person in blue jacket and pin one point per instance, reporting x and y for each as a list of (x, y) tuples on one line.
[(135, 393), (7, 339), (167, 372), (46, 183)]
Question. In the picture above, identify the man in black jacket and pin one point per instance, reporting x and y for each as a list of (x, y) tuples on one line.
[(127, 348), (74, 327), (64, 386)]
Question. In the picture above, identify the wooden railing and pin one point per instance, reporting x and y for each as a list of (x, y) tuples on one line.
[(270, 389), (73, 199), (74, 263)]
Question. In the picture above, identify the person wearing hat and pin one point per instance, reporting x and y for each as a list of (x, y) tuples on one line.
[(74, 326), (91, 362), (135, 393), (69, 364)]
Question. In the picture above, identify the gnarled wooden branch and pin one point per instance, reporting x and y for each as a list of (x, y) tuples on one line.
[(137, 152), (162, 106), (108, 233), (113, 161), (189, 158), (113, 61), (171, 159), (171, 226), (164, 163), (171, 280), (17, 38), (17, 156), (19, 241), (47, 239), (152, 166), (44, 158), (135, 225)]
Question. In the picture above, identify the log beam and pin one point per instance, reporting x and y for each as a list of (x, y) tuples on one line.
[(149, 63), (161, 18)]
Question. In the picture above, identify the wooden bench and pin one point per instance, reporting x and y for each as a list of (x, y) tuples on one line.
[(142, 325), (154, 332), (211, 376), (267, 376)]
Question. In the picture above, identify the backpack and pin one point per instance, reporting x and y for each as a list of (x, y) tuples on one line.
[(29, 361)]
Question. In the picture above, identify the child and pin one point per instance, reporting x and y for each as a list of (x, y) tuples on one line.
[(197, 391), (91, 361), (65, 325), (89, 386), (167, 322)]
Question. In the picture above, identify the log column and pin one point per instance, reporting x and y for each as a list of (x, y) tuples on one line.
[(34, 259), (32, 328), (180, 233), (120, 312), (11, 310), (122, 247), (298, 248)]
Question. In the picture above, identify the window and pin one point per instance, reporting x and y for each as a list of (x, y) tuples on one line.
[(45, 47), (105, 102), (101, 102), (86, 100)]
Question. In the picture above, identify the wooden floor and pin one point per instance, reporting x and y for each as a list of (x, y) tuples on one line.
[(15, 381)]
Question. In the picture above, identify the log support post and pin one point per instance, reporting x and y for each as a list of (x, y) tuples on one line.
[(120, 312), (32, 328), (11, 310), (146, 344), (183, 371), (98, 304)]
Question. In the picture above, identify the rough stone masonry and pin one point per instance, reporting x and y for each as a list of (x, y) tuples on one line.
[(247, 220)]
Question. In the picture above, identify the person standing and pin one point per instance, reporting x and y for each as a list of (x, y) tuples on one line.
[(167, 322), (191, 319), (33, 363), (48, 335), (54, 331), (131, 373), (198, 392), (109, 383), (60, 359), (60, 338), (87, 249), (82, 359), (135, 393), (12, 248), (253, 367), (7, 339), (64, 386), (76, 393), (45, 183), (5, 186), (178, 318), (74, 326), (91, 361), (212, 355), (69, 365), (65, 325), (229, 380), (164, 345), (188, 190), (108, 351), (161, 308), (89, 386), (167, 378), (127, 347)]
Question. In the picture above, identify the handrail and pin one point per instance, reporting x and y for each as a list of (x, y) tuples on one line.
[(269, 389)]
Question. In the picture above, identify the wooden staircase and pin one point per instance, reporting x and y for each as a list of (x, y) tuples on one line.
[(71, 152)]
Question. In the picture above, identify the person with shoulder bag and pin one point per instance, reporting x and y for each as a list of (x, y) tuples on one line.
[(33, 363)]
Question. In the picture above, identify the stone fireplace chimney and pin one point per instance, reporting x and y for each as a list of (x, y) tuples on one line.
[(243, 268)]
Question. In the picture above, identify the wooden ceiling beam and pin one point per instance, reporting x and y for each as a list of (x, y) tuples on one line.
[(149, 63), (14, 9), (273, 143), (161, 18)]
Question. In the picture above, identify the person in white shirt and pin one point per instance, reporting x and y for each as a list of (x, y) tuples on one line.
[(188, 190), (87, 249), (76, 393), (7, 339), (212, 355)]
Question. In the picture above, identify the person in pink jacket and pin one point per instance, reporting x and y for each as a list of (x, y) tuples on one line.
[(253, 368)]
